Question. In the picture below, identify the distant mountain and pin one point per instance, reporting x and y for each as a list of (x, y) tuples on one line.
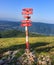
[(42, 28), (37, 27), (8, 25)]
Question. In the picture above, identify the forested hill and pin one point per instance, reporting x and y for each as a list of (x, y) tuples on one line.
[(37, 27)]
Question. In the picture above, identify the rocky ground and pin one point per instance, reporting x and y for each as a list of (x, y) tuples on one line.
[(27, 58)]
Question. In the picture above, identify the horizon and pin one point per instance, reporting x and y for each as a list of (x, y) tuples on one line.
[(43, 11), (20, 21)]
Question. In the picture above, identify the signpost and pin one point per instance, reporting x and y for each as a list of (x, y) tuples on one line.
[(26, 23), (30, 57)]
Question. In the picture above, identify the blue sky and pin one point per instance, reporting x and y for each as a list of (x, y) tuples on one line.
[(43, 10)]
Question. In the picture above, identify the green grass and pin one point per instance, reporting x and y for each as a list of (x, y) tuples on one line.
[(37, 43), (41, 45)]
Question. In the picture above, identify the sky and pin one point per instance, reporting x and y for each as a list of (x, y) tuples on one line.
[(43, 10)]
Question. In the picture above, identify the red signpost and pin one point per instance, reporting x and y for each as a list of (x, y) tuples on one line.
[(27, 22), (27, 11)]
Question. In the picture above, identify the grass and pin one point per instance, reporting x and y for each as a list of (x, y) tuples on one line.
[(37, 43), (41, 45)]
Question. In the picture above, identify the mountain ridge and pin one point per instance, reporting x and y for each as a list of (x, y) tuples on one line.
[(37, 27)]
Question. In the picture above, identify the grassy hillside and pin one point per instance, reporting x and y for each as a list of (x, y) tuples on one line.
[(38, 44)]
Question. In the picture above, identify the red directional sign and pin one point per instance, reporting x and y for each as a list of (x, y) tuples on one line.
[(25, 21), (27, 11), (26, 24)]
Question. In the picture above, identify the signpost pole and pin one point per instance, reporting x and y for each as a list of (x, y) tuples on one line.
[(26, 23), (27, 38)]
